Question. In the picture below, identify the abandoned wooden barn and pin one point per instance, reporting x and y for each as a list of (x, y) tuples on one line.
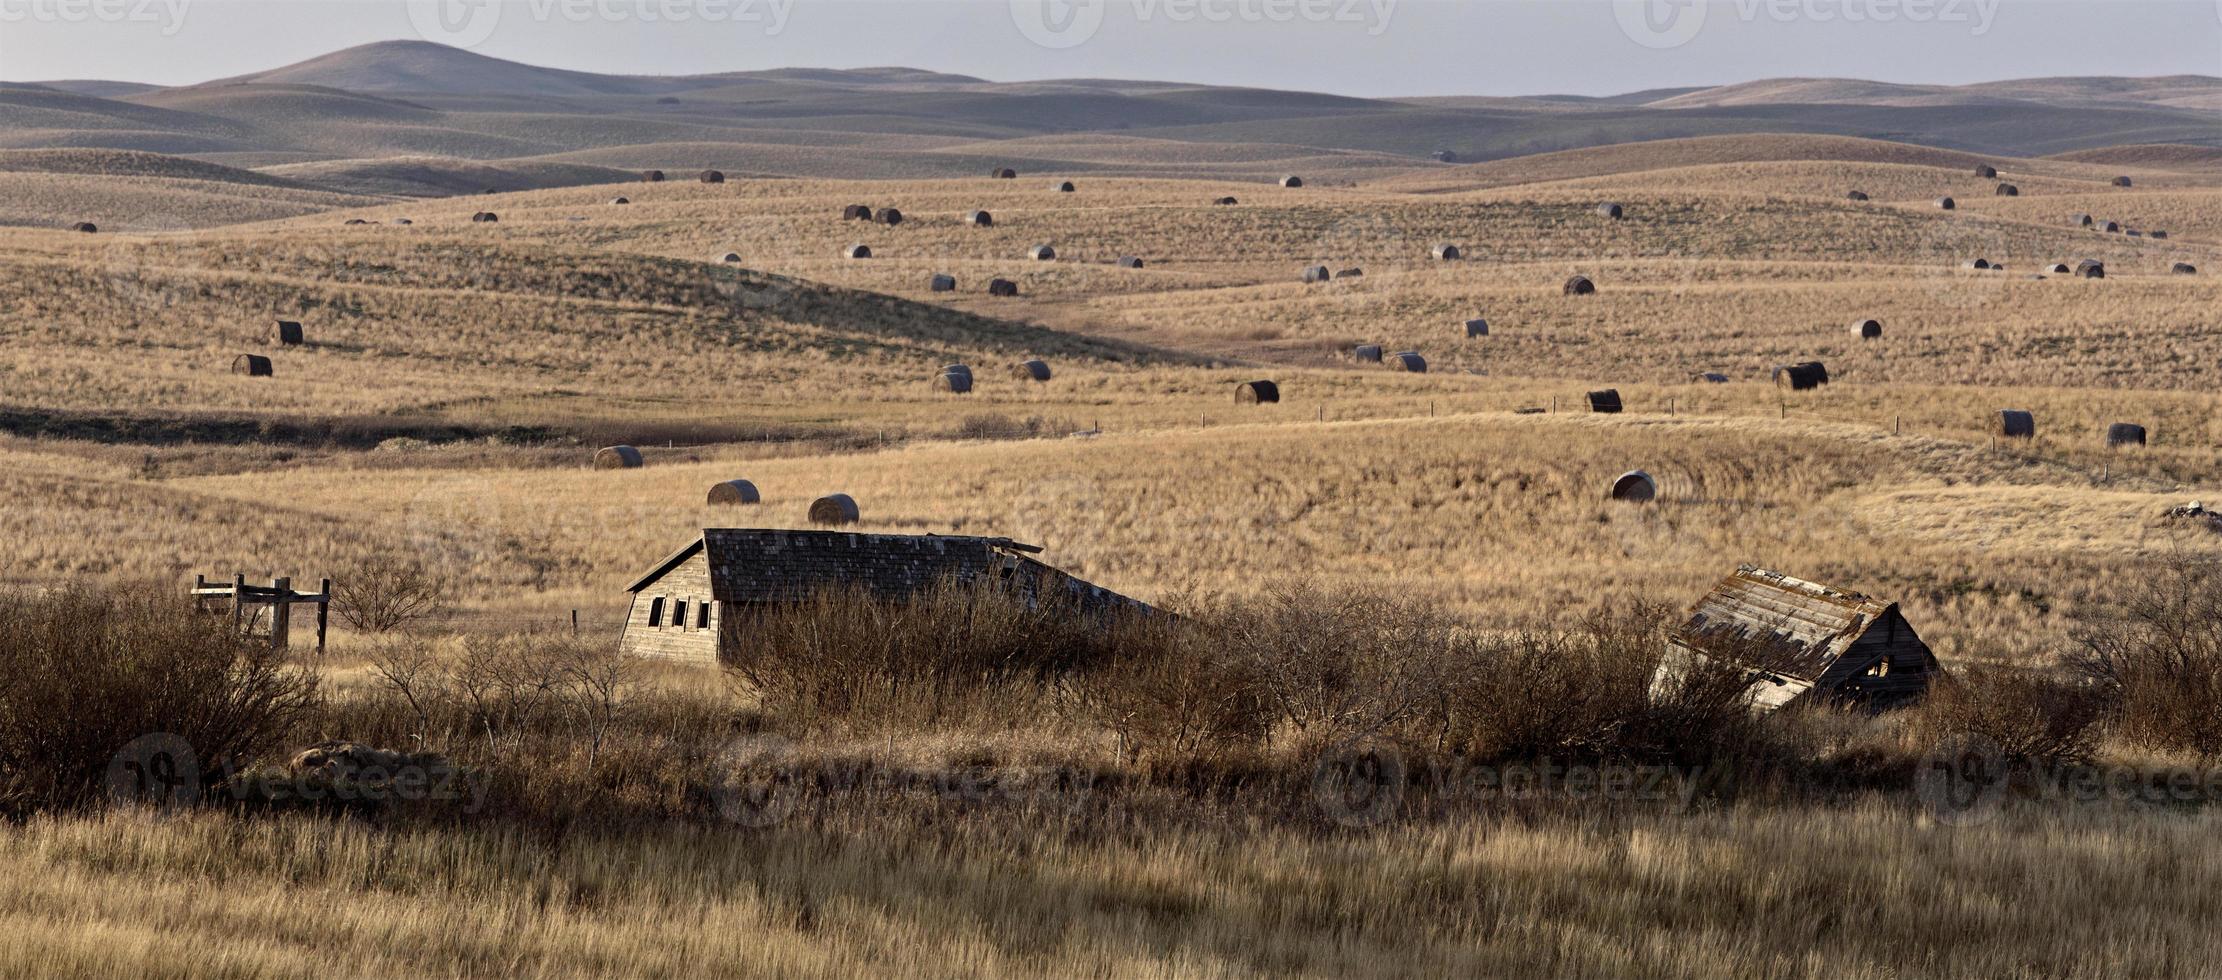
[(1803, 642), (696, 604)]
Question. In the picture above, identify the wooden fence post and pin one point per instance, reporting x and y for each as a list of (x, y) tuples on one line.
[(281, 614)]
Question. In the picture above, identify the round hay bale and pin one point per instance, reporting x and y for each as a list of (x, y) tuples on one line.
[(2121, 181), (1579, 286), (1036, 369), (620, 200), (1713, 377), (1868, 329), (1446, 252), (1635, 487), (1317, 273), (2082, 220), (1292, 181), (1062, 187), (403, 221), (888, 216), (1002, 287), (289, 333), (1977, 263), (2157, 234), (1350, 273), (85, 226), (2090, 269), (1257, 393), (2016, 424), (251, 365), (1225, 200), (652, 177), (2125, 434), (730, 258), (963, 369), (980, 219), (1446, 156), (1130, 262), (1947, 203), (1003, 173), (734, 492), (1370, 353), (713, 177), (1986, 170), (1610, 210), (2060, 269), (834, 509), (1606, 402), (2108, 227), (354, 221), (943, 284), (1856, 196), (1801, 377), (2008, 190), (1477, 327), (617, 458), (955, 382), (856, 212), (857, 252), (1041, 253), (1408, 361), (2184, 269)]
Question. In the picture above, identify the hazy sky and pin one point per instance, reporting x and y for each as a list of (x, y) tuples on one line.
[(1358, 47)]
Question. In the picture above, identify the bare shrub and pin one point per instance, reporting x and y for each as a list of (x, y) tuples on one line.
[(383, 596), (84, 672), (1169, 693), (2159, 655), (2032, 716), (1338, 666)]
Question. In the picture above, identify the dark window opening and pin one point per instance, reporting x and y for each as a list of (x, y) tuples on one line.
[(656, 611)]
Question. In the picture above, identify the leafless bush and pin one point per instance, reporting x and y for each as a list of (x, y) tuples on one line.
[(1168, 692), (383, 596), (2159, 655), (2032, 716)]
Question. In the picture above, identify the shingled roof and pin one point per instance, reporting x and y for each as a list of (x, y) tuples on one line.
[(1802, 626), (765, 565)]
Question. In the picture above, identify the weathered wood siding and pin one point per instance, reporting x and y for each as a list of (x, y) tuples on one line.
[(688, 581)]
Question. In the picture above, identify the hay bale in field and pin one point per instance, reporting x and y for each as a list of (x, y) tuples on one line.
[(1062, 187), (620, 200), (1257, 393), (1868, 329), (857, 252), (1635, 487), (1986, 170), (1606, 402), (1579, 286), (1370, 353), (1036, 369), (2125, 434), (1002, 287), (652, 177), (1445, 156), (2156, 234), (403, 221), (713, 177), (1611, 210), (251, 365), (2184, 269), (1477, 327), (980, 219), (730, 258), (1003, 173), (1407, 360), (1041, 253), (1130, 262), (1856, 196), (2060, 269), (1292, 181), (1350, 273), (486, 217), (2121, 181), (834, 508), (617, 458), (354, 221), (1977, 263), (2016, 424), (1713, 377), (888, 216), (1805, 376), (2109, 227), (1446, 252), (289, 333), (943, 284), (85, 226), (856, 212), (957, 382), (963, 369), (2007, 190), (1225, 200), (1317, 273), (1947, 203), (2090, 269), (2082, 220), (734, 492)]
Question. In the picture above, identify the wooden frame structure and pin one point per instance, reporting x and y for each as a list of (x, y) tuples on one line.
[(278, 595)]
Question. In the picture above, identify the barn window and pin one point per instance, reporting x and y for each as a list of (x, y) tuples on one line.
[(679, 614), (656, 611), (702, 615)]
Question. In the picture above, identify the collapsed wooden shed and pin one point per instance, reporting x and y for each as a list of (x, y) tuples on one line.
[(1800, 642)]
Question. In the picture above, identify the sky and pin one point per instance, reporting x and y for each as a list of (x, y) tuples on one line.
[(1352, 47)]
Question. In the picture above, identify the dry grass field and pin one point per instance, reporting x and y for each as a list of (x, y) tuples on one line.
[(458, 375)]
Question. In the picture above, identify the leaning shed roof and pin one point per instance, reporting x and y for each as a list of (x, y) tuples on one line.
[(1808, 624), (771, 565)]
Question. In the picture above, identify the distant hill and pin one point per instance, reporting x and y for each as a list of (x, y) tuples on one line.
[(443, 177), (2161, 156)]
